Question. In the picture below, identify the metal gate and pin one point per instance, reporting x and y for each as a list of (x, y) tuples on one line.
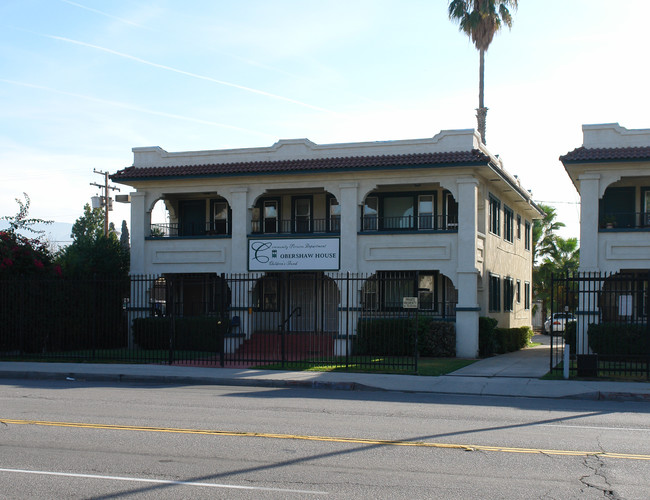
[(602, 319)]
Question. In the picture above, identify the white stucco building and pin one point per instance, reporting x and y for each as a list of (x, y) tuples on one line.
[(443, 207), (611, 171)]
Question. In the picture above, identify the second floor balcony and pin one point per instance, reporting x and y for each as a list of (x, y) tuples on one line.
[(221, 228), (625, 221), (373, 223)]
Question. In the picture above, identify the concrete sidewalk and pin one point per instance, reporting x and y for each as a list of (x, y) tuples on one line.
[(449, 384)]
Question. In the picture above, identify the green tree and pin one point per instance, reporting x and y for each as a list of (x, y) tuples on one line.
[(481, 20), (552, 255), (90, 225), (91, 253), (124, 236), (544, 232)]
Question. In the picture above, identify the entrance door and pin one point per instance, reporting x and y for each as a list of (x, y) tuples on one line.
[(318, 298), (303, 296)]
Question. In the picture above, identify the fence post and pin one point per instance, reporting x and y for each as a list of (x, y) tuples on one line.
[(172, 323), (417, 319), (347, 321), (223, 314)]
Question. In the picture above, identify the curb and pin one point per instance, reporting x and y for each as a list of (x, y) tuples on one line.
[(300, 384)]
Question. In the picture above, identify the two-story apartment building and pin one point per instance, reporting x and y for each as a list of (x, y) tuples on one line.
[(443, 209), (611, 171)]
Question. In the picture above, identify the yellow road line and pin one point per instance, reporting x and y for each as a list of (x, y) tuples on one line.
[(332, 439)]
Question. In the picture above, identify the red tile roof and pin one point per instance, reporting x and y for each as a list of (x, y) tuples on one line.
[(585, 155), (459, 158)]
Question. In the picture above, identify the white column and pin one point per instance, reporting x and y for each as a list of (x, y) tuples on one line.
[(240, 223), (349, 224), (589, 197), (589, 212), (140, 228), (467, 310)]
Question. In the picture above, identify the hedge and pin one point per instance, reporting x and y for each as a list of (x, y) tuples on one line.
[(396, 337), (436, 339), (487, 343), (512, 339), (619, 339), (494, 340), (570, 336), (200, 333)]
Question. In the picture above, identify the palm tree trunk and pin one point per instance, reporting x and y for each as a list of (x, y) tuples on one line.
[(481, 112)]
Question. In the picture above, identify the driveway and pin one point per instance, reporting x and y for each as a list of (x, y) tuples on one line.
[(531, 362)]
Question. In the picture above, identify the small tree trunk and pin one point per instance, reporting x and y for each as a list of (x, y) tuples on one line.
[(481, 112)]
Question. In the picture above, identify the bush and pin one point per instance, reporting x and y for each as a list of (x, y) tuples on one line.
[(384, 337), (512, 339), (487, 343), (493, 340), (199, 333), (570, 336), (619, 339), (436, 339), (396, 337)]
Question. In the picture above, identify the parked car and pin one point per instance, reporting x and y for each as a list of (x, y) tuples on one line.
[(556, 323)]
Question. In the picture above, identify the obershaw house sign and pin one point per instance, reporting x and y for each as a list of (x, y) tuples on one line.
[(295, 254)]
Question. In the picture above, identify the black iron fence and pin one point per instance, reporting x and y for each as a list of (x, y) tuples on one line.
[(271, 225), (625, 220), (428, 222), (176, 230), (236, 320), (601, 320)]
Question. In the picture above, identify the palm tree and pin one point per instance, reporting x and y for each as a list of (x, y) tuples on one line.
[(544, 233), (481, 20)]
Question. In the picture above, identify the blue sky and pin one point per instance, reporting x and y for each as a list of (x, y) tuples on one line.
[(82, 82)]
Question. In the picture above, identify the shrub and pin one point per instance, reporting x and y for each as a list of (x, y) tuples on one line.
[(487, 343), (436, 339), (198, 333), (384, 337), (570, 336), (396, 337), (512, 339), (619, 339)]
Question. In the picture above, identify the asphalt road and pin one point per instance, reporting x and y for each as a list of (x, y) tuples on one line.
[(86, 440)]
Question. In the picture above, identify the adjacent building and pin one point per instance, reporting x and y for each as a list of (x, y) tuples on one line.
[(441, 210), (611, 171)]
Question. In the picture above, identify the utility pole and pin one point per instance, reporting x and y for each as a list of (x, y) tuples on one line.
[(106, 201)]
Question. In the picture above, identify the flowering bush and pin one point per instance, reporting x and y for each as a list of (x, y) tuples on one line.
[(25, 256)]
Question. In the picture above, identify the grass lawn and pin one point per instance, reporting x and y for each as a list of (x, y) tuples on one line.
[(431, 367), (607, 370)]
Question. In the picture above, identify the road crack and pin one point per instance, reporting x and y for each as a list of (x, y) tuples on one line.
[(597, 479)]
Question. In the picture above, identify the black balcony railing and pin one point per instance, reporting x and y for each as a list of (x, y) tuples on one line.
[(176, 230), (296, 226), (625, 220), (410, 223)]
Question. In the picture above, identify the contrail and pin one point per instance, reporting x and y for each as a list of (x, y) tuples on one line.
[(187, 73), (104, 14), (136, 108)]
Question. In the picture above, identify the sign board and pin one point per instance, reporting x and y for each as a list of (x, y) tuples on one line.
[(294, 254), (410, 302)]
